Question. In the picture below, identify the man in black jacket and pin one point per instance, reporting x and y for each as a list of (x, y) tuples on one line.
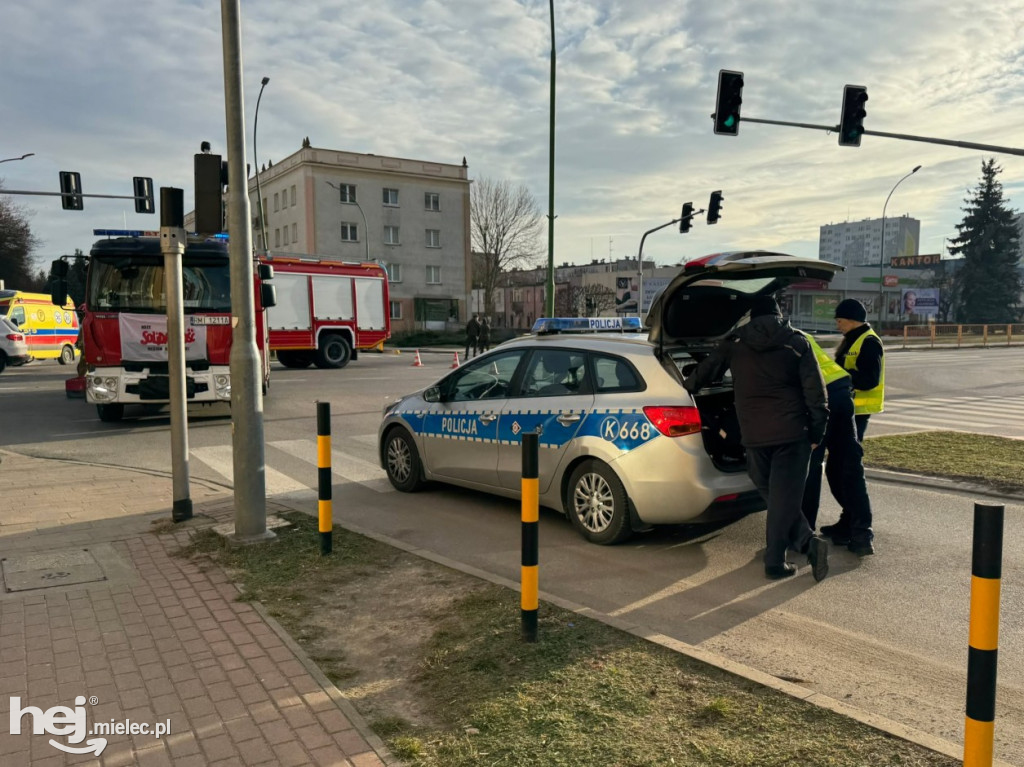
[(782, 410)]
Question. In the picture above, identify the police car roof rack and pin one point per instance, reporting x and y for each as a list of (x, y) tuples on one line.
[(552, 325)]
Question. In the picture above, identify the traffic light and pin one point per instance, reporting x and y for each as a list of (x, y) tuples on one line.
[(685, 217), (209, 188), (727, 104), (715, 207), (143, 195), (851, 121), (71, 191)]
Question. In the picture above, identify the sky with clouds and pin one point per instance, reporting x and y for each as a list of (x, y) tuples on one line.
[(114, 89)]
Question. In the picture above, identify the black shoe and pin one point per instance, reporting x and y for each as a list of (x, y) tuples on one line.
[(839, 533), (776, 572), (862, 549), (817, 556)]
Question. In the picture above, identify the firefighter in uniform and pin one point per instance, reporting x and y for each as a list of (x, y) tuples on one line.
[(844, 467), (861, 353)]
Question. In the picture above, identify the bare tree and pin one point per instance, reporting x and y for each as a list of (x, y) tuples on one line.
[(589, 300), (505, 225), (16, 245)]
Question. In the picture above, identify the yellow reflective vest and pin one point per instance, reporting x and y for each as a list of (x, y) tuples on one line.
[(830, 369), (870, 400)]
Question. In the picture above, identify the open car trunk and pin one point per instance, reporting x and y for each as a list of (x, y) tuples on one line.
[(719, 427)]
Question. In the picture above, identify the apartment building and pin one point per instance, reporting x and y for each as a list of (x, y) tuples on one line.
[(410, 215), (859, 243)]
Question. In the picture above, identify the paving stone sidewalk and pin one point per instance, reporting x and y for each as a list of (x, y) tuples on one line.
[(100, 609)]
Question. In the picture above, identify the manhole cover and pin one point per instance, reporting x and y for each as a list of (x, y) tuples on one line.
[(41, 571)]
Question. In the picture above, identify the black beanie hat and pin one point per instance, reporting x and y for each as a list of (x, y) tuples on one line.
[(851, 309), (763, 305)]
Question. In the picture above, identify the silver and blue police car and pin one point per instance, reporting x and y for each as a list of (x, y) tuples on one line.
[(623, 446)]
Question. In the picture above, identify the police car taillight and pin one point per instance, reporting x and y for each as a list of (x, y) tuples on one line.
[(15, 337), (674, 421)]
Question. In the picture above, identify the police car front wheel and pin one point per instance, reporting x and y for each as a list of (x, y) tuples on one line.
[(597, 504), (402, 461)]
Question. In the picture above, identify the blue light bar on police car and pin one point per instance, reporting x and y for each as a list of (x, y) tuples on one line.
[(586, 325), (123, 233)]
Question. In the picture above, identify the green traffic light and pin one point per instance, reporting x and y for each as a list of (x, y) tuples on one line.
[(729, 121)]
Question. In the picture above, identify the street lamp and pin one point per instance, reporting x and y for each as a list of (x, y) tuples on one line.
[(881, 253), (12, 159), (256, 162), (366, 228)]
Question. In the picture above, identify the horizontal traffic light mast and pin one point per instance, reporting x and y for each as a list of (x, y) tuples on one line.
[(726, 118), (71, 193)]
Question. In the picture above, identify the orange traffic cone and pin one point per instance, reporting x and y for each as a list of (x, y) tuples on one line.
[(455, 362), (418, 363)]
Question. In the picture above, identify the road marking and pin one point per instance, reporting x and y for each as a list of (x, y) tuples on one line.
[(343, 465), (219, 458)]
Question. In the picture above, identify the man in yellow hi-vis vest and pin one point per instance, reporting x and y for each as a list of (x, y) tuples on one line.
[(861, 353), (844, 467)]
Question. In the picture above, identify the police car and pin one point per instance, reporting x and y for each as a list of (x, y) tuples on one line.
[(623, 446)]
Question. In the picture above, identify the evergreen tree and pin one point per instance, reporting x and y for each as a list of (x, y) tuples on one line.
[(989, 285), (76, 277), (16, 245)]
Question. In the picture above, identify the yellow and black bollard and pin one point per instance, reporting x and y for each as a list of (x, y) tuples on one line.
[(530, 556), (982, 652), (323, 468)]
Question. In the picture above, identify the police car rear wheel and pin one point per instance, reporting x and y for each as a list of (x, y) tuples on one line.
[(597, 504), (402, 461)]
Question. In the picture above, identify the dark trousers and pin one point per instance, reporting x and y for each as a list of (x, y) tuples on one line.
[(471, 343), (844, 468), (862, 425), (780, 472)]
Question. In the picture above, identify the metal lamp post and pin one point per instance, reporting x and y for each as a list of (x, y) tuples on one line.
[(256, 161), (881, 254)]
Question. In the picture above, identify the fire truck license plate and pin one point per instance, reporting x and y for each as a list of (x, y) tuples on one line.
[(211, 320)]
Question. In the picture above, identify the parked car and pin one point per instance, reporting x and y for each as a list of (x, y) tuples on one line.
[(13, 347), (623, 446)]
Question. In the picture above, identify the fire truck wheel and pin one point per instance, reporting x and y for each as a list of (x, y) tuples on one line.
[(110, 413), (333, 353), (294, 359), (67, 355)]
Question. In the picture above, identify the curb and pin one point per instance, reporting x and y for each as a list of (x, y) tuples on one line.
[(942, 483), (883, 724)]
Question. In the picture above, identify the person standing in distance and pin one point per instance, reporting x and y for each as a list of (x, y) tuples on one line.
[(472, 335), (781, 406), (485, 334), (861, 353), (844, 467)]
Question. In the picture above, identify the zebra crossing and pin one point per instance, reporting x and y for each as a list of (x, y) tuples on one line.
[(999, 416), (291, 466)]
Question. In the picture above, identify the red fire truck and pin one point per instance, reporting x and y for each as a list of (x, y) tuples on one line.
[(124, 329), (327, 311)]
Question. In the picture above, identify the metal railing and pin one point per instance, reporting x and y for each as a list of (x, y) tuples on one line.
[(934, 335)]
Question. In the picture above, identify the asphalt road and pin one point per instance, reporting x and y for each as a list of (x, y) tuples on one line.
[(887, 634)]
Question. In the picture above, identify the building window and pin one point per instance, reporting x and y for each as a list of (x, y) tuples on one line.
[(292, 191), (394, 272), (348, 192), (284, 240), (265, 207), (391, 197), (433, 275), (391, 235), (349, 233), (276, 201), (295, 233), (432, 201), (277, 238), (433, 238), (396, 309)]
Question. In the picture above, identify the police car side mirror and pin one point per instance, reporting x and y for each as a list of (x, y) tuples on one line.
[(433, 394)]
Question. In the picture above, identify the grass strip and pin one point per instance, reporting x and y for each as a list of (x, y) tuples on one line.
[(997, 462), (585, 694)]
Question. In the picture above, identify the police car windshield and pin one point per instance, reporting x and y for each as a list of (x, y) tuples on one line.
[(136, 284)]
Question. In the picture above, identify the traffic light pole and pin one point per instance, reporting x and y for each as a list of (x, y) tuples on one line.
[(640, 259), (883, 134), (245, 363)]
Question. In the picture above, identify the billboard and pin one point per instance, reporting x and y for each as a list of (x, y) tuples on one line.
[(922, 302)]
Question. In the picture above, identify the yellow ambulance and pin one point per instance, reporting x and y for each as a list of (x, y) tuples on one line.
[(50, 331)]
